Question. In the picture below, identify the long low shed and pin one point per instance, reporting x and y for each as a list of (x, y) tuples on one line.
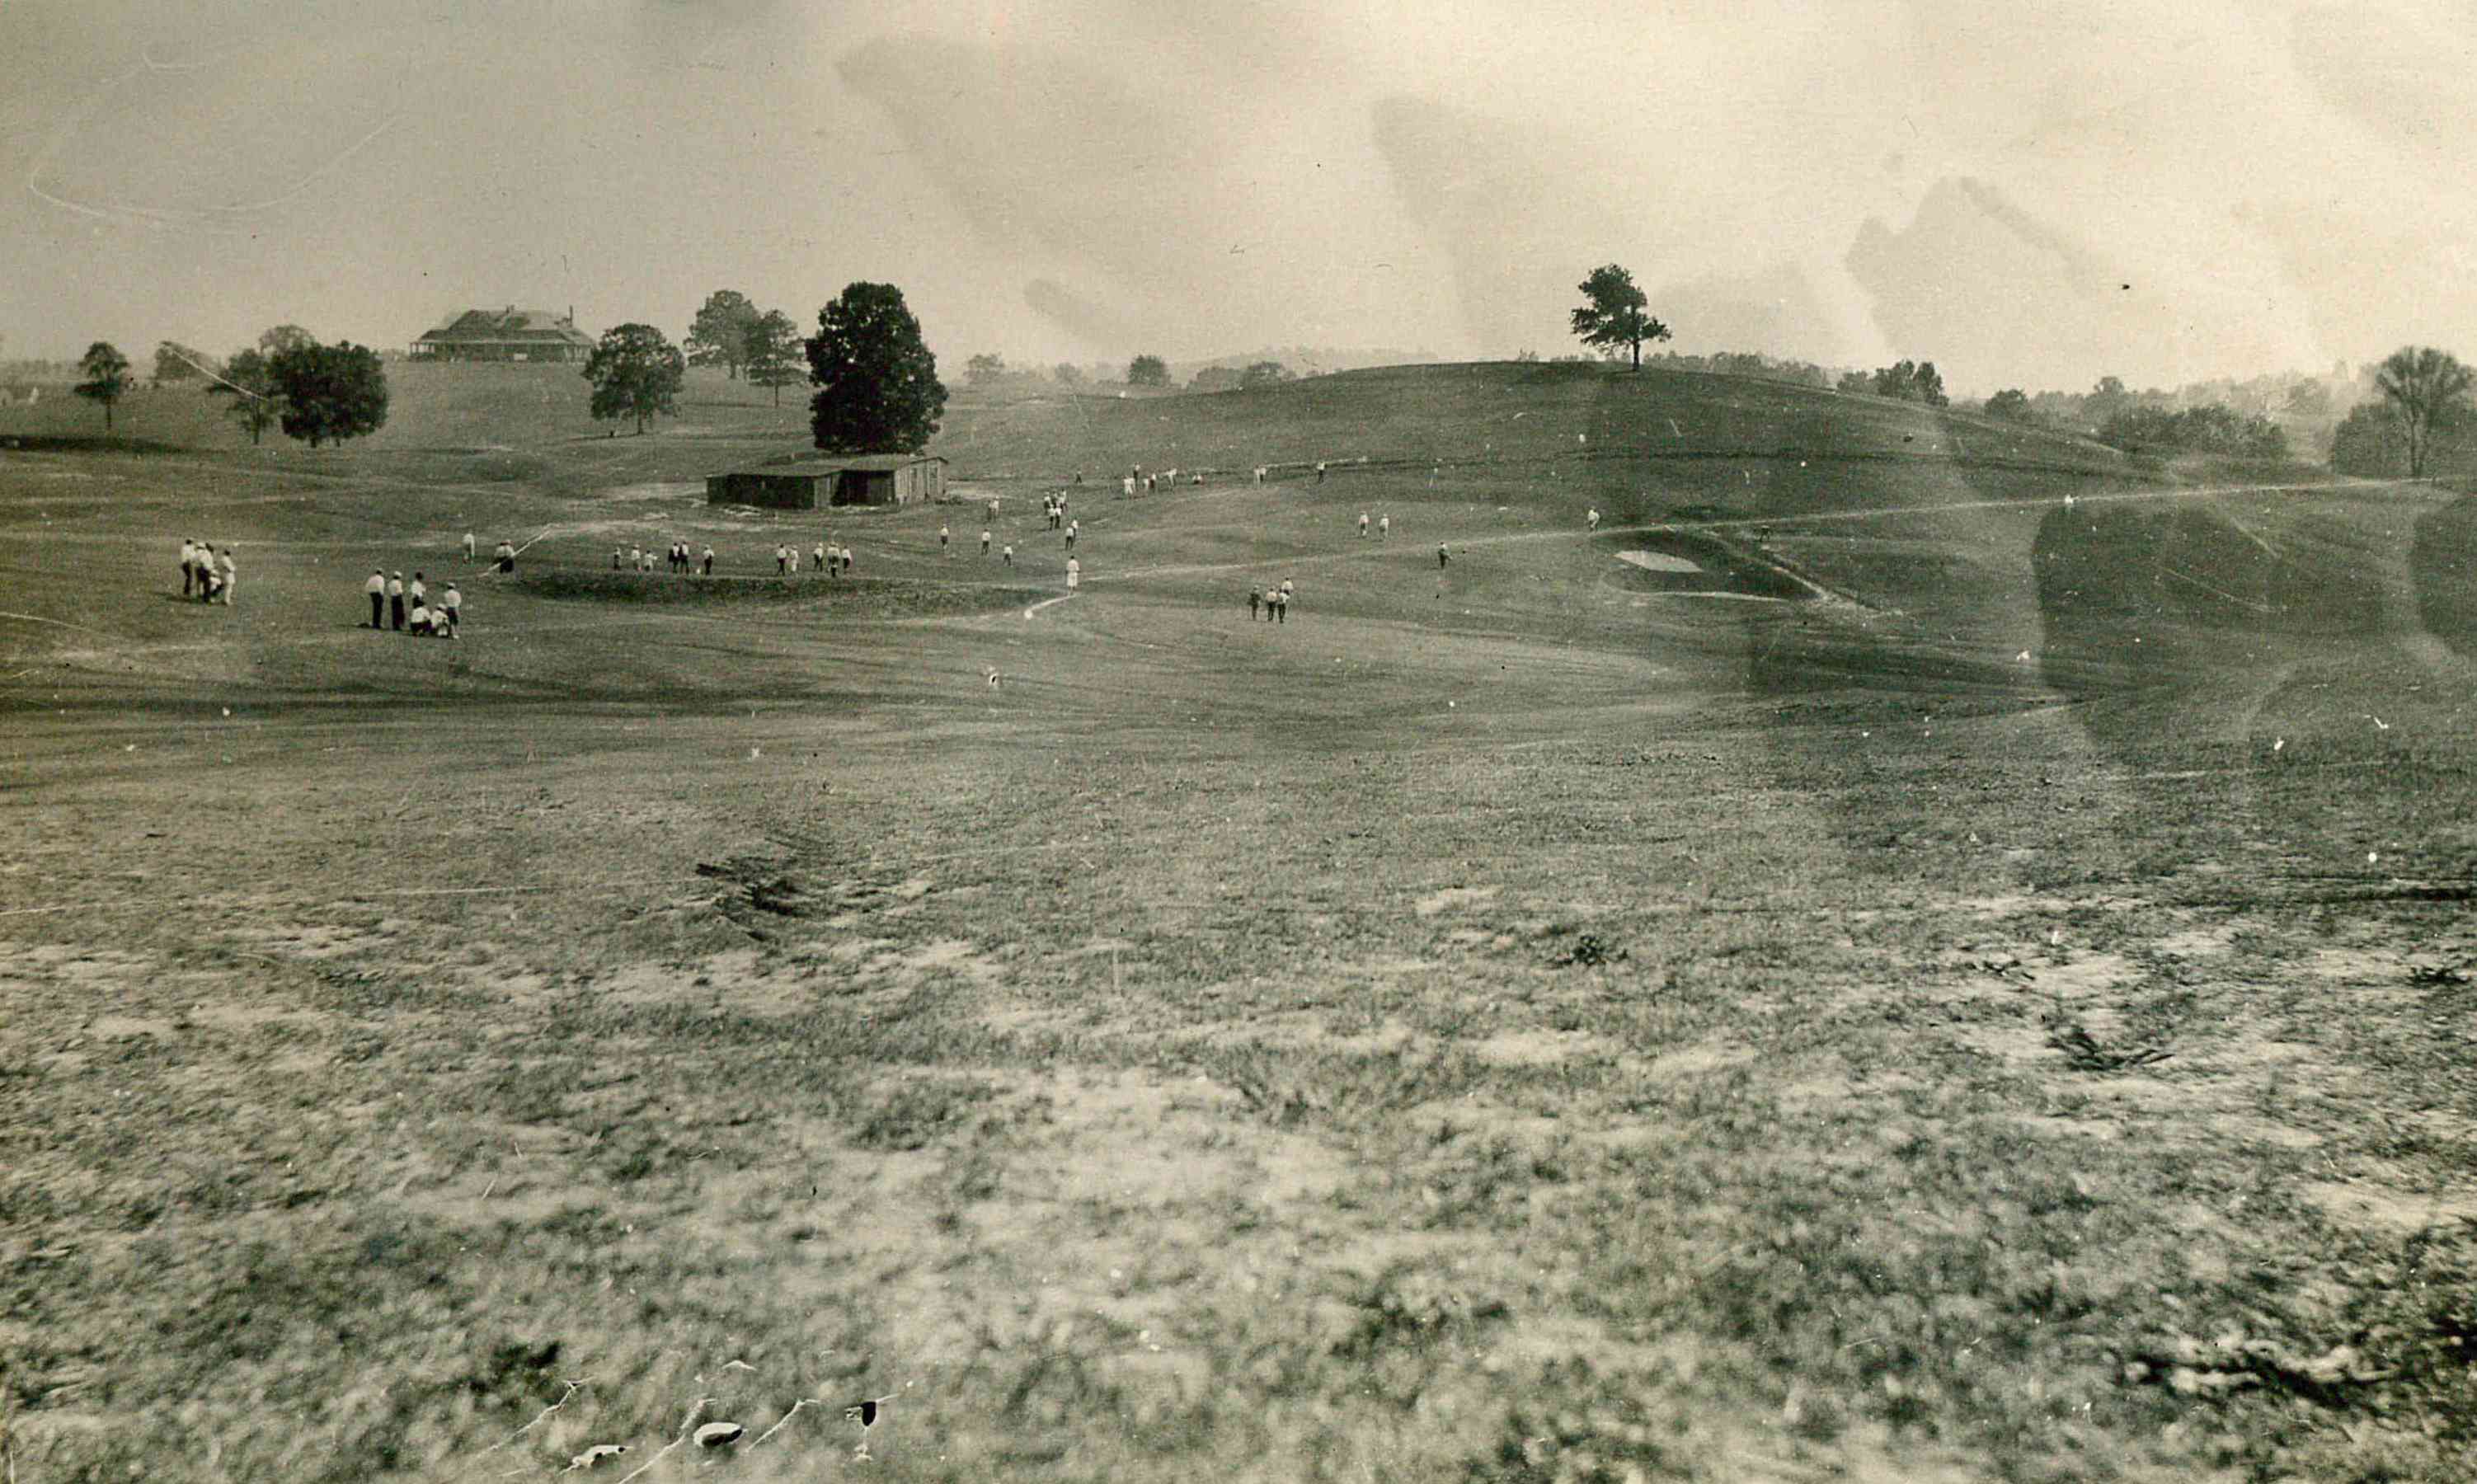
[(869, 478)]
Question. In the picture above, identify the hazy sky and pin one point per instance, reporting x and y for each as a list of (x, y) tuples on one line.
[(2026, 194)]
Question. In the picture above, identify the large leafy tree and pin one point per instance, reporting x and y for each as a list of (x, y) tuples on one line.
[(2426, 389), (985, 368), (1148, 371), (636, 372), (286, 337), (721, 329), (1911, 380), (877, 383), (1267, 373), (775, 354), (1615, 313), (329, 393), (106, 377), (256, 403), (2011, 404)]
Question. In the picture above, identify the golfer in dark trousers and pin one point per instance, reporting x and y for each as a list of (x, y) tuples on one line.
[(396, 600)]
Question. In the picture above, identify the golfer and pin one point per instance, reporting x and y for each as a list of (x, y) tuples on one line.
[(225, 587), (468, 546), (1008, 555), (1363, 525), (376, 588), (1074, 573), (1591, 518), (984, 540), (189, 564), (1255, 600), (1385, 528), (451, 602), (395, 602), (1440, 554), (944, 537), (709, 561)]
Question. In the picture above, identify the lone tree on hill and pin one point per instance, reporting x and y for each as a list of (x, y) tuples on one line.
[(255, 404), (720, 332), (2011, 404), (1266, 373), (774, 353), (106, 377), (877, 383), (1616, 313), (176, 362), (1148, 371), (1913, 380), (987, 366), (329, 393), (2428, 387), (286, 337), (636, 372)]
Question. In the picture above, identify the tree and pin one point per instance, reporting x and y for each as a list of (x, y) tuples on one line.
[(255, 404), (985, 368), (1911, 380), (720, 332), (1618, 314), (176, 362), (106, 377), (1148, 371), (2426, 387), (2104, 400), (1266, 373), (329, 393), (2011, 404), (1853, 380), (877, 382), (2368, 442), (636, 372), (775, 353), (286, 337), (1067, 374)]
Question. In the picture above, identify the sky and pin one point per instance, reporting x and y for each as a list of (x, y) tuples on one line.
[(2030, 196)]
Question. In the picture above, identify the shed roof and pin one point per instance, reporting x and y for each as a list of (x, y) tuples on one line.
[(871, 462)]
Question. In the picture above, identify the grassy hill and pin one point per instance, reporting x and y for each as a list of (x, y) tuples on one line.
[(1916, 951)]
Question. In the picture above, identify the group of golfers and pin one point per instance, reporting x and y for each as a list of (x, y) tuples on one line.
[(207, 574), (405, 608)]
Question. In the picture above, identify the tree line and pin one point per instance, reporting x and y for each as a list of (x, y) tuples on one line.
[(317, 393), (876, 378)]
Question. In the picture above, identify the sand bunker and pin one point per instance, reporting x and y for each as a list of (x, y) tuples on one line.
[(1657, 562)]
